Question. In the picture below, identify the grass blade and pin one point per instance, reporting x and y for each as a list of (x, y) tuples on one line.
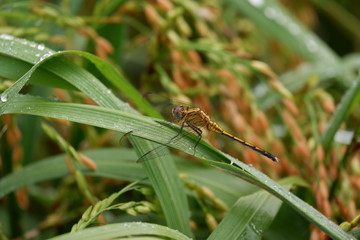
[(124, 230), (273, 19), (257, 212), (347, 104)]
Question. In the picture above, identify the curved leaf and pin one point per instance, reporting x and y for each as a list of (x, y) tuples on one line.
[(344, 108), (124, 230), (120, 163), (257, 211), (273, 19)]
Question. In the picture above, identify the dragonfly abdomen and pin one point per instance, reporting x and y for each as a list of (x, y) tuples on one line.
[(249, 145), (213, 127)]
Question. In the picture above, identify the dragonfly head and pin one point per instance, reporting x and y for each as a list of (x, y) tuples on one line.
[(178, 111)]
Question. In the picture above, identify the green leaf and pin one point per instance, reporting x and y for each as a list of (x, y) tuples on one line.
[(124, 230), (13, 68), (257, 211), (55, 167), (120, 163), (273, 19), (307, 211), (282, 229), (344, 108)]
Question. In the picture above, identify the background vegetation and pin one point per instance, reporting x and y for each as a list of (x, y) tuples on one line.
[(282, 75)]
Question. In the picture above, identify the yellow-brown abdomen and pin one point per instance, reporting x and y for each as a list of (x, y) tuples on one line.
[(212, 126)]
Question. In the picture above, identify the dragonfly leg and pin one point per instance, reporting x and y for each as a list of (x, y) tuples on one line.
[(180, 131), (149, 154), (198, 131), (125, 135)]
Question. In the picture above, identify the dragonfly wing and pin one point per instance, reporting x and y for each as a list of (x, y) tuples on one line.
[(153, 154), (177, 140)]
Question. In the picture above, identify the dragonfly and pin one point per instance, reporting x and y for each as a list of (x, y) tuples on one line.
[(196, 119)]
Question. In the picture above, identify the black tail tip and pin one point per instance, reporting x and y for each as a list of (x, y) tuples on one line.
[(275, 159)]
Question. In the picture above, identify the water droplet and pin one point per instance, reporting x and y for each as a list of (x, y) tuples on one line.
[(312, 45), (6, 37), (331, 72), (256, 3), (41, 47), (294, 29), (3, 97), (22, 41), (257, 231), (48, 54), (271, 13), (32, 44), (344, 136), (261, 90)]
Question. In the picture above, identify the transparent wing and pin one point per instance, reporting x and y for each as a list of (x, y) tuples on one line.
[(180, 139), (164, 104), (153, 154)]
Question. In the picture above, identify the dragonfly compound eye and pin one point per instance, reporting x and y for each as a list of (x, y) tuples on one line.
[(177, 111)]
